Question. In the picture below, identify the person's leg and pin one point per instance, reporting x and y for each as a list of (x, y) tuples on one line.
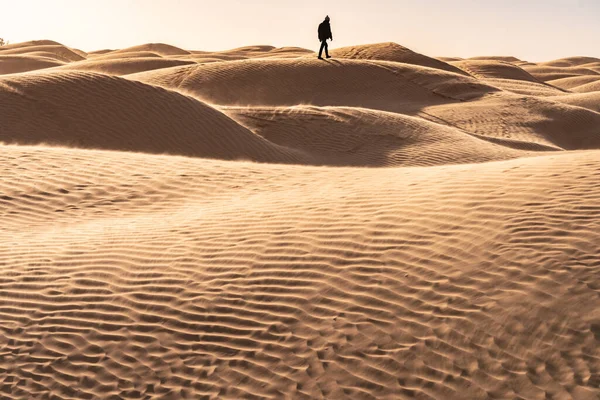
[(323, 44), (327, 49)]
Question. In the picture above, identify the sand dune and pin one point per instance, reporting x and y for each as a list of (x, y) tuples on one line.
[(571, 61), (590, 100), (159, 48), (119, 56), (506, 76), (362, 137), (290, 50), (494, 69), (265, 225), (573, 82), (124, 66), (376, 84), (509, 59), (442, 97), (449, 59), (524, 119), (242, 53), (15, 64), (200, 58), (98, 111), (588, 87), (246, 50), (546, 73), (525, 87), (99, 52), (56, 51), (31, 44), (391, 52), (595, 66), (165, 278)]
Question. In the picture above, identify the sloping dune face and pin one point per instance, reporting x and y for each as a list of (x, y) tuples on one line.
[(159, 48), (588, 87), (494, 69), (392, 52), (258, 224), (99, 111), (507, 76), (572, 61), (589, 100), (352, 136), (509, 59), (461, 102), (545, 73), (139, 276), (375, 84), (10, 64), (56, 51), (524, 119), (125, 66), (572, 83), (108, 55)]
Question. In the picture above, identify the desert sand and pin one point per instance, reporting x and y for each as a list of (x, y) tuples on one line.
[(257, 223)]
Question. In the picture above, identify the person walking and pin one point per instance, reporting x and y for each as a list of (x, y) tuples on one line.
[(324, 34)]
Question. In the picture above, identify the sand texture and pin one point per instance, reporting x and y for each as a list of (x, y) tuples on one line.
[(259, 224)]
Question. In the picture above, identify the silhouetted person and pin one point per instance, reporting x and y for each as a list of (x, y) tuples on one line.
[(324, 34)]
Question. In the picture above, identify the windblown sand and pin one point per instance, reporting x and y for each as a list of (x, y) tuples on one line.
[(257, 223)]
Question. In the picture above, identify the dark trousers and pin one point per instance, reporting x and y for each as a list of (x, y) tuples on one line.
[(324, 46)]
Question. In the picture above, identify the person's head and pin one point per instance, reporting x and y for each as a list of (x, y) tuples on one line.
[(327, 18)]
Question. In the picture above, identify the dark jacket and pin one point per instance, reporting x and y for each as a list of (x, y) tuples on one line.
[(325, 31)]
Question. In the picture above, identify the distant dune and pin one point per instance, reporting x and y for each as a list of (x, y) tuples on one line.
[(546, 73), (115, 55), (13, 64), (588, 87), (255, 223), (355, 136), (56, 51), (572, 62), (159, 48), (571, 83), (494, 69), (509, 59), (507, 76)]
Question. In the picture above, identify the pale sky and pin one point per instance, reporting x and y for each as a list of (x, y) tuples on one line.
[(534, 30)]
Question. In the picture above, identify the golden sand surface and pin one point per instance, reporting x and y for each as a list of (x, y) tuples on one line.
[(260, 224)]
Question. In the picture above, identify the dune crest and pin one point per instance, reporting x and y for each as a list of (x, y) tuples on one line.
[(391, 52), (257, 82)]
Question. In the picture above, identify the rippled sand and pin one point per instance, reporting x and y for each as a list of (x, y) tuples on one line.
[(257, 223)]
